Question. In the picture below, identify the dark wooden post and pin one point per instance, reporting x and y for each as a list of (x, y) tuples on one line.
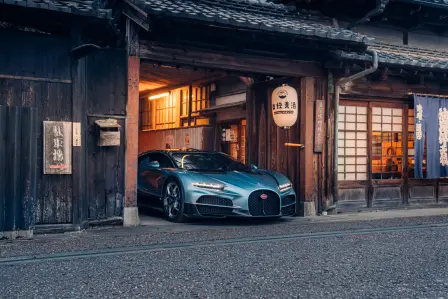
[(249, 124), (329, 114), (190, 104), (130, 213), (79, 119), (306, 155)]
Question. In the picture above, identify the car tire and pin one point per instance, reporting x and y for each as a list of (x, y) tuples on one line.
[(173, 201)]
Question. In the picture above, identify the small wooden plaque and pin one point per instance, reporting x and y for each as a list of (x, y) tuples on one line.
[(76, 134), (57, 147), (319, 129)]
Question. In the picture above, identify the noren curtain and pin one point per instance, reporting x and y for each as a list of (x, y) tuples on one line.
[(431, 125)]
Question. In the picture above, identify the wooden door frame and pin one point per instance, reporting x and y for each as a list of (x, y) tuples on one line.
[(370, 184)]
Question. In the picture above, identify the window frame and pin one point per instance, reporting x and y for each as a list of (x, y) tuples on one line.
[(153, 157), (355, 104), (370, 103)]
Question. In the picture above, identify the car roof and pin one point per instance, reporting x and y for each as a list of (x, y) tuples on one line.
[(178, 151)]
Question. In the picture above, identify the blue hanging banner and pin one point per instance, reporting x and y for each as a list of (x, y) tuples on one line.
[(443, 137), (426, 121)]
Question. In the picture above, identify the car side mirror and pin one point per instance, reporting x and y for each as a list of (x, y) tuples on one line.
[(253, 167), (154, 164)]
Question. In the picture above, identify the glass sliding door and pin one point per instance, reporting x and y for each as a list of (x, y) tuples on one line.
[(372, 153)]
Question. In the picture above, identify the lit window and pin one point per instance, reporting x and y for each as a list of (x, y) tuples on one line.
[(165, 112), (387, 140), (352, 143)]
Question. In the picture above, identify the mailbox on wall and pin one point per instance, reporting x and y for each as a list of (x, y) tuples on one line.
[(109, 132)]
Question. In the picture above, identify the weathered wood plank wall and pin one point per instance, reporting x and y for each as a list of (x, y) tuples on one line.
[(40, 79), (266, 141), (106, 98), (49, 80)]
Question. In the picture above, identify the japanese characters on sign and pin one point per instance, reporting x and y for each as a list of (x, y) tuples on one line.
[(418, 127), (285, 106), (443, 135), (76, 134), (57, 147), (319, 126)]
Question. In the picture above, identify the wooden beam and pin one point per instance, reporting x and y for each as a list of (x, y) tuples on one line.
[(211, 79), (79, 153), (132, 115), (29, 78), (136, 14), (190, 103), (306, 138), (243, 63)]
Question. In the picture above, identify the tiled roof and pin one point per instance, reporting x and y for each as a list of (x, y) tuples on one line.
[(404, 56), (251, 14), (78, 7), (434, 3)]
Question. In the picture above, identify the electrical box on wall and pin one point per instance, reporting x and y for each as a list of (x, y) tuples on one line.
[(109, 132)]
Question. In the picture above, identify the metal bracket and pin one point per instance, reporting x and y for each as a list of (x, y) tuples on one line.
[(295, 145)]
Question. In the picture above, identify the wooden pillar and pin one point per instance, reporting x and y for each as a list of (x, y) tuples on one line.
[(307, 204), (250, 125), (79, 119), (130, 213), (329, 108), (190, 104)]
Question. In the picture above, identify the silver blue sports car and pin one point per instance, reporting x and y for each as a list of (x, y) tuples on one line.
[(190, 183)]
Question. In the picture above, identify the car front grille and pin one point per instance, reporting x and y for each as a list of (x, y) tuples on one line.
[(214, 205), (212, 210), (264, 207), (215, 200)]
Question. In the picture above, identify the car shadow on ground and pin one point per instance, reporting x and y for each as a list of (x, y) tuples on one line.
[(149, 216)]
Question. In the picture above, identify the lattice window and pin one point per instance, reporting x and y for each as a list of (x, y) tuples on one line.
[(387, 143), (352, 144), (165, 109)]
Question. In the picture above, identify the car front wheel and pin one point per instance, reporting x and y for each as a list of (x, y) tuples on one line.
[(173, 203)]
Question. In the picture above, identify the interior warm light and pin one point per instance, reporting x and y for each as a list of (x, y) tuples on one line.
[(158, 96)]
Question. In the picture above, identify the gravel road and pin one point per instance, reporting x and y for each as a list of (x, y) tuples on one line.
[(395, 258)]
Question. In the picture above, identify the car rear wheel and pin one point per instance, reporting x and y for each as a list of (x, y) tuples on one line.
[(173, 203)]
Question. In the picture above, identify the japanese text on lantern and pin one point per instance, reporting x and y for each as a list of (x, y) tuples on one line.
[(284, 105), (418, 127), (443, 135)]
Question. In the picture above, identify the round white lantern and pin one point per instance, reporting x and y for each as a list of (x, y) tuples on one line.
[(285, 105)]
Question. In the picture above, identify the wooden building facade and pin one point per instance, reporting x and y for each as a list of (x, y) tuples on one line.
[(266, 45), (376, 132), (54, 62), (136, 75)]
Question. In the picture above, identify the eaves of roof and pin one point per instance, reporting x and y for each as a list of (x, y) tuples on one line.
[(434, 3), (251, 14), (404, 56), (76, 7)]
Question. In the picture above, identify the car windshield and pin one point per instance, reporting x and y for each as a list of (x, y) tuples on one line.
[(208, 162)]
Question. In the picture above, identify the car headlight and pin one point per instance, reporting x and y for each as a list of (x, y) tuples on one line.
[(284, 187), (209, 186)]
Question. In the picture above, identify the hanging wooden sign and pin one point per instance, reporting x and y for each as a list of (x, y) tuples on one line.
[(76, 134), (57, 147), (319, 130)]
